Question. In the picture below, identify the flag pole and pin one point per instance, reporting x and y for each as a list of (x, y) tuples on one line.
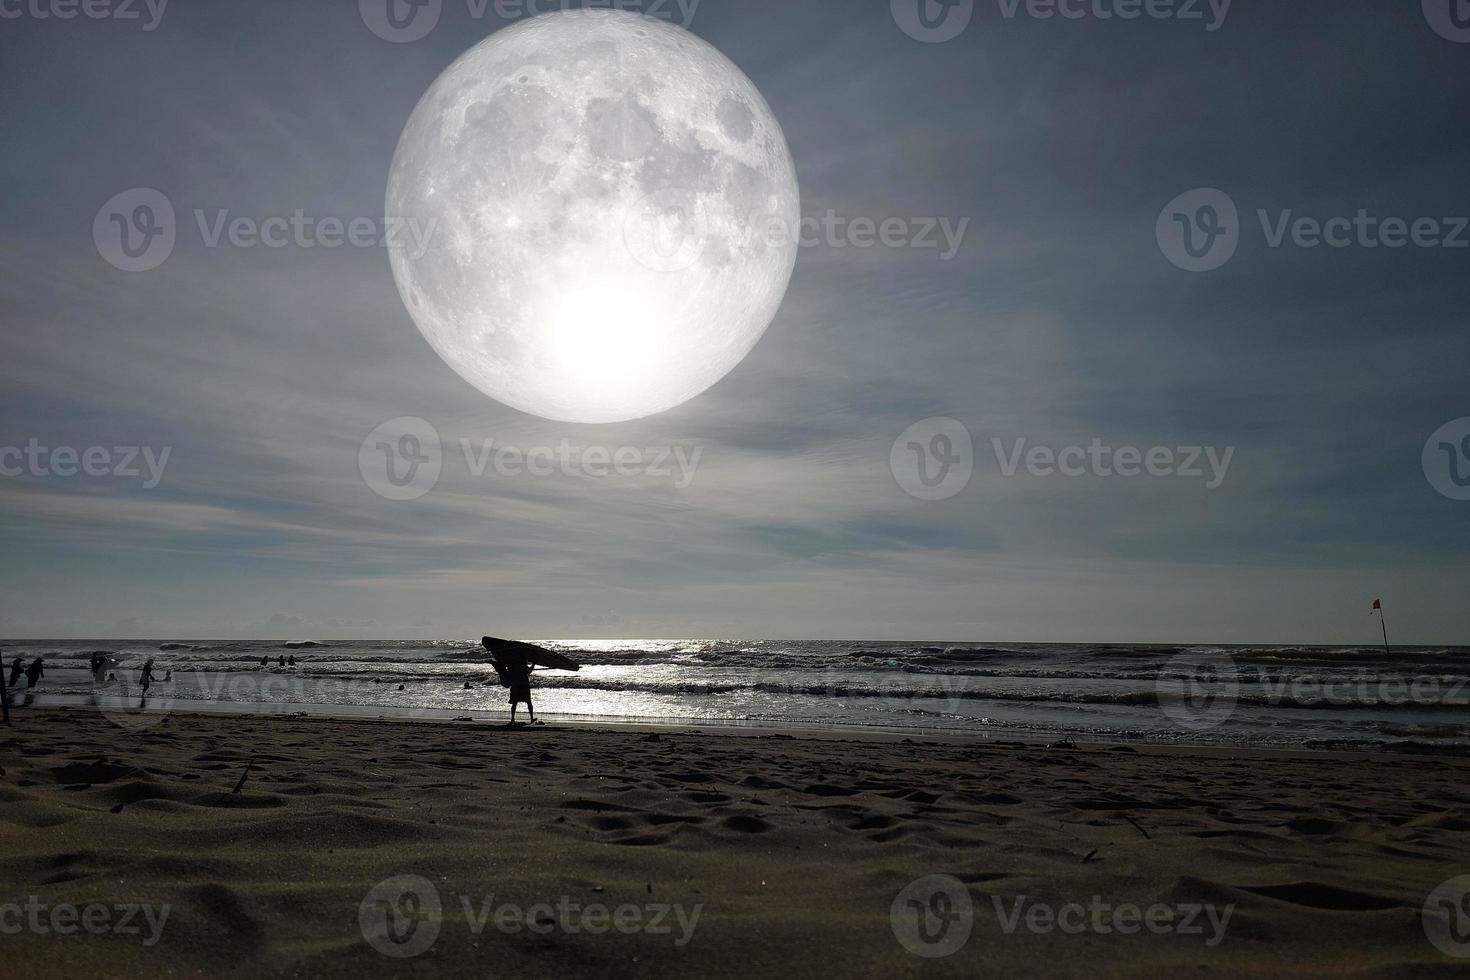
[(1383, 621)]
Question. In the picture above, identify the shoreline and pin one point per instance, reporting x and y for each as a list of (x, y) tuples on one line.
[(490, 718), (1354, 699)]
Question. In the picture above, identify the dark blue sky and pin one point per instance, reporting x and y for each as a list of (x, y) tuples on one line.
[(1059, 320)]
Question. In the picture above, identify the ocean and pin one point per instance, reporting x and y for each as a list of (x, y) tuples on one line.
[(1411, 699)]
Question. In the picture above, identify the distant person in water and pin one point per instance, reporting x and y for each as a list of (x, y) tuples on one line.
[(282, 661), (515, 673), (265, 661), (34, 672), (146, 679), (16, 669)]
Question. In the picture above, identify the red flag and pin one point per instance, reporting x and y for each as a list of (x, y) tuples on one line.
[(1378, 604)]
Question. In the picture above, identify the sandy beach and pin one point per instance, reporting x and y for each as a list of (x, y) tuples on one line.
[(422, 849)]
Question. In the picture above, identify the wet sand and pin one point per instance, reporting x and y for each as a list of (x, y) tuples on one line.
[(358, 848)]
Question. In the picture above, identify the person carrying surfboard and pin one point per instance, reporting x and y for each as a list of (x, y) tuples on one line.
[(514, 671), (514, 661)]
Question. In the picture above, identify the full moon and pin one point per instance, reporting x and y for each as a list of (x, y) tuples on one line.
[(610, 212)]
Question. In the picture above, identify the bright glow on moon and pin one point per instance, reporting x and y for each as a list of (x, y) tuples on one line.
[(612, 212)]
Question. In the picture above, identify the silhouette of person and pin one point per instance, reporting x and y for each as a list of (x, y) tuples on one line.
[(282, 661), (515, 673), (15, 671), (34, 672), (146, 679), (265, 661)]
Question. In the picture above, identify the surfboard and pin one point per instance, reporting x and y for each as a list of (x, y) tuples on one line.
[(531, 653)]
